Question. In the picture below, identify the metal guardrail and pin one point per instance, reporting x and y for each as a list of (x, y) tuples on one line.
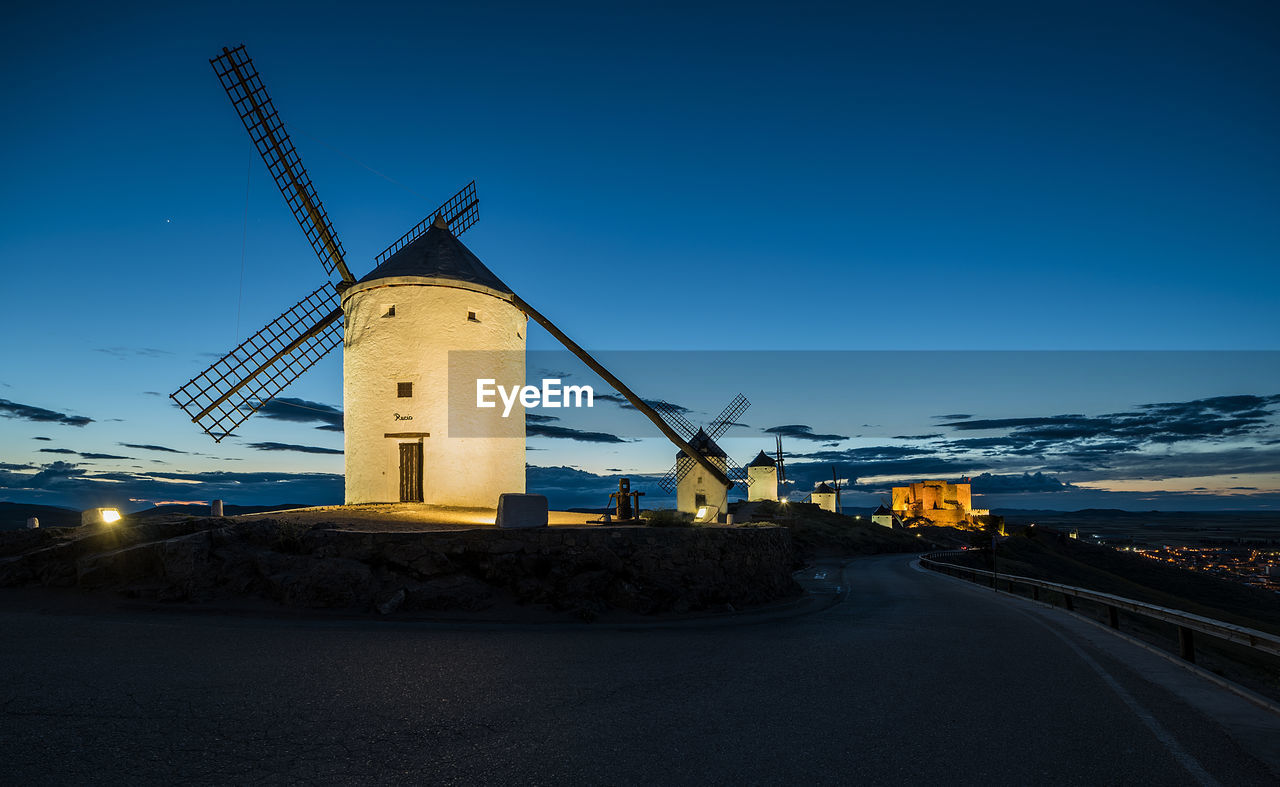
[(1188, 624)]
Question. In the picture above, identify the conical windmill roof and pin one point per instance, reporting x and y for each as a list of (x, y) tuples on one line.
[(823, 489), (763, 460), (438, 254)]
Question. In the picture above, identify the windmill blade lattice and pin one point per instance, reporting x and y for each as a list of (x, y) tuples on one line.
[(676, 474), (736, 472), (671, 480), (223, 396), (672, 415), (728, 416), (460, 211), (248, 95)]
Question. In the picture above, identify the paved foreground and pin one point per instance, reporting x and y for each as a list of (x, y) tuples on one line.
[(912, 678)]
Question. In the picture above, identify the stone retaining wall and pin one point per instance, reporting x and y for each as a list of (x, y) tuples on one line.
[(585, 570)]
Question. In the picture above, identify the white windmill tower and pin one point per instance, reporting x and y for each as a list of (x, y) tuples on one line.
[(428, 299), (827, 496), (824, 497), (763, 472), (427, 296)]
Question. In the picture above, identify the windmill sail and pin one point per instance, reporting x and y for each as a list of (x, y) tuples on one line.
[(672, 415), (679, 470), (221, 397), (248, 95), (728, 416), (734, 471), (673, 476), (459, 212)]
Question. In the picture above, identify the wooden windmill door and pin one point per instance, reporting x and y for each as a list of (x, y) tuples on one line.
[(411, 472)]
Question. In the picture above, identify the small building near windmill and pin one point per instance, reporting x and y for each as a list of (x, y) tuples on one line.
[(762, 473), (884, 516), (824, 497), (697, 492), (940, 502), (406, 322)]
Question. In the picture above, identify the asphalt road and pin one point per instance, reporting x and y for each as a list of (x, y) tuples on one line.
[(911, 677)]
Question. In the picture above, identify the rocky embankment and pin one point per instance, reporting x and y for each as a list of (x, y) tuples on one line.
[(583, 570)]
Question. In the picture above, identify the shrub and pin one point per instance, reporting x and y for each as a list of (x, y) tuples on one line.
[(665, 517)]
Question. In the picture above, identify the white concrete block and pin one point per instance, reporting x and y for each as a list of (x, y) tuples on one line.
[(522, 510)]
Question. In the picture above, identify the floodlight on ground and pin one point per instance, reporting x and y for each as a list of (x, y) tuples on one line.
[(100, 516)]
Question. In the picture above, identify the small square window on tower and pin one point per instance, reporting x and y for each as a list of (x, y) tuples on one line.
[(473, 317), (391, 310), (404, 390)]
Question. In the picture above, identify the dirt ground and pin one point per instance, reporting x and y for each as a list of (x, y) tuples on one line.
[(406, 517)]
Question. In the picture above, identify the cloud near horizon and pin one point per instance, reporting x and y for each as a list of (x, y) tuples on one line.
[(81, 454), (1166, 422), (661, 405), (805, 432), (27, 412), (134, 352), (66, 483), (1208, 436), (1215, 436), (537, 425), (285, 408), (301, 449), (148, 447)]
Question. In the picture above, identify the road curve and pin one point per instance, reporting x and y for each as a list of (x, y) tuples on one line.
[(911, 677)]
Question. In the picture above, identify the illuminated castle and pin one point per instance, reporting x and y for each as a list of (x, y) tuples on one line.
[(939, 502)]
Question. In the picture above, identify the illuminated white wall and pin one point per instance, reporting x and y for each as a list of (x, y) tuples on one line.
[(764, 482), (431, 319), (696, 482), (824, 500)]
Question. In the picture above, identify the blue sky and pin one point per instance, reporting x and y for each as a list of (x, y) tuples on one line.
[(887, 176)]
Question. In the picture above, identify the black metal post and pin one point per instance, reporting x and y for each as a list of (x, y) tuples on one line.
[(1187, 644)]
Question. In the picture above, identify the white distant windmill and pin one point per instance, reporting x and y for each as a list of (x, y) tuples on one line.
[(828, 497), (428, 295), (696, 494)]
